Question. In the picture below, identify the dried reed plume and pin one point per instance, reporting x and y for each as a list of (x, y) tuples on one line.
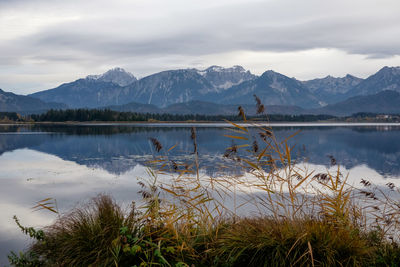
[(259, 105), (157, 145), (241, 113), (194, 139)]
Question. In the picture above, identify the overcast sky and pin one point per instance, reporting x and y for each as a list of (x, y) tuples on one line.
[(44, 43)]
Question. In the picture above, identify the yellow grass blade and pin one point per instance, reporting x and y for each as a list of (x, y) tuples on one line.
[(169, 191), (302, 180), (235, 130), (251, 164), (288, 153), (237, 126), (172, 147), (262, 153), (236, 137)]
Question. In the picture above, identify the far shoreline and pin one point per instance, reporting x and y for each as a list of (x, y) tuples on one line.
[(206, 123)]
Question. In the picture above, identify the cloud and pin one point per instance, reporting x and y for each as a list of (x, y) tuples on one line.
[(89, 34)]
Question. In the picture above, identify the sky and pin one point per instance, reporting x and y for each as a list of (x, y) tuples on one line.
[(44, 43)]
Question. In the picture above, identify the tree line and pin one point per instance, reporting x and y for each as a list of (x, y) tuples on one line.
[(82, 115), (107, 115), (10, 116)]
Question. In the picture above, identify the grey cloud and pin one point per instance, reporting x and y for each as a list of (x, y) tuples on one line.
[(6, 60), (100, 35), (316, 34), (24, 3), (209, 33)]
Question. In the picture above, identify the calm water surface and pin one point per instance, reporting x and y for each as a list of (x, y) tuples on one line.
[(73, 163)]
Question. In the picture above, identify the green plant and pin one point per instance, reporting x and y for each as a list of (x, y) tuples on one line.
[(27, 259), (30, 231)]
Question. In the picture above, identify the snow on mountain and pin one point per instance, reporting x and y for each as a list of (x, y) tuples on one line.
[(116, 75), (223, 78)]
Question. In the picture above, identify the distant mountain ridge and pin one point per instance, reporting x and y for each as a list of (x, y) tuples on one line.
[(176, 90), (386, 102), (161, 89), (331, 89), (273, 89), (169, 87), (387, 78), (224, 78), (116, 75), (10, 102), (83, 93)]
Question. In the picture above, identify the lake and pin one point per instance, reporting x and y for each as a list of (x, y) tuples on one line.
[(72, 163)]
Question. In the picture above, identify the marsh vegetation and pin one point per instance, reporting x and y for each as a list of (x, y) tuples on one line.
[(275, 213)]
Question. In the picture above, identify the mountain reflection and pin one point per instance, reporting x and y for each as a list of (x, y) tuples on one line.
[(118, 148)]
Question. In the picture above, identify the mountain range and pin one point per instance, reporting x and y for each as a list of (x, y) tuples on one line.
[(25, 104), (217, 90), (330, 89), (386, 101)]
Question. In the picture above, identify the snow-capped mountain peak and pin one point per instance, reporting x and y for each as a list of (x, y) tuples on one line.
[(223, 78), (215, 68), (116, 75)]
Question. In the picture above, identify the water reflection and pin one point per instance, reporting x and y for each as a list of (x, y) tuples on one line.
[(72, 163), (28, 176), (118, 149)]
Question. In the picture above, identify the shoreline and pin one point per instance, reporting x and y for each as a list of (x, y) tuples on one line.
[(207, 123)]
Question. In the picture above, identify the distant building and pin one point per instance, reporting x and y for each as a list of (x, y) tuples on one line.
[(384, 116)]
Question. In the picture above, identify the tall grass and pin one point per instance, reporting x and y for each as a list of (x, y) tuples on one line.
[(86, 236), (265, 241), (298, 217)]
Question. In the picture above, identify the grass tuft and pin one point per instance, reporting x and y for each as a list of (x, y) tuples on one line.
[(84, 237), (269, 242)]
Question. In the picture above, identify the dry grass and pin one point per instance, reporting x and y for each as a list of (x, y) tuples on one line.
[(86, 235), (265, 241)]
